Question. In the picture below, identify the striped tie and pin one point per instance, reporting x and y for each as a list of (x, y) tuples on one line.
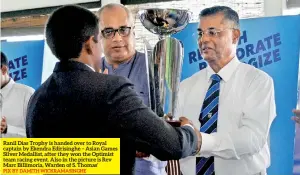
[(208, 119)]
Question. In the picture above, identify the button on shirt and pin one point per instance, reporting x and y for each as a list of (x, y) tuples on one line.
[(246, 111), (15, 100)]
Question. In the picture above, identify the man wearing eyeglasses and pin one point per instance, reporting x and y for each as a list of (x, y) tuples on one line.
[(121, 58), (231, 103)]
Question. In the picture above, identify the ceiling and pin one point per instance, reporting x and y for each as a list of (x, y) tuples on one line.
[(28, 17)]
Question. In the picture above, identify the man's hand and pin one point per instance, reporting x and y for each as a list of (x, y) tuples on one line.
[(168, 117), (297, 117), (141, 155), (3, 125), (185, 121)]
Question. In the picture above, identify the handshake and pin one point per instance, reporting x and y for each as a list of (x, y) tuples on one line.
[(183, 121)]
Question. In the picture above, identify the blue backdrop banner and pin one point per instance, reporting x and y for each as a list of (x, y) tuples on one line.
[(25, 61), (272, 45)]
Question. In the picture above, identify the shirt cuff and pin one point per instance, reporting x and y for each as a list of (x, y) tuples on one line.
[(209, 143)]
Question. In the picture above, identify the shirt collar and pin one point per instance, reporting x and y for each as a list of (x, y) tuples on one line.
[(107, 65), (90, 67), (226, 72), (83, 63), (7, 88)]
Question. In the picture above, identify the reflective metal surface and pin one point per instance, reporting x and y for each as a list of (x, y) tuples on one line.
[(165, 60), (168, 57), (164, 21)]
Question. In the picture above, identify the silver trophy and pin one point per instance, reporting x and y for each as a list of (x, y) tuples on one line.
[(165, 60)]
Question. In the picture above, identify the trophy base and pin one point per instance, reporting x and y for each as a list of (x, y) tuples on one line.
[(174, 123)]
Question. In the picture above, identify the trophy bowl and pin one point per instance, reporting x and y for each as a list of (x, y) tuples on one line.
[(164, 21)]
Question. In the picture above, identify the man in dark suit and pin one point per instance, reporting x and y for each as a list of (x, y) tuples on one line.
[(77, 101)]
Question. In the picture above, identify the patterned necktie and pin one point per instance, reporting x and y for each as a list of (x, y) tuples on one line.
[(208, 119)]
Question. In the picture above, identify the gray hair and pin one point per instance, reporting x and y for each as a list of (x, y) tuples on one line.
[(229, 14)]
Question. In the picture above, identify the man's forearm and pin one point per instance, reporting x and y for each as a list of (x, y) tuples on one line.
[(189, 142)]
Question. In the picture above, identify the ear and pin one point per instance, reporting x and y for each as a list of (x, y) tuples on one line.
[(236, 33), (4, 69), (89, 45)]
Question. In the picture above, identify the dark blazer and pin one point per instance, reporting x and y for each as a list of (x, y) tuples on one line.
[(76, 102)]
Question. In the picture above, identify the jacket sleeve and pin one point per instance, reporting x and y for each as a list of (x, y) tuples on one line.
[(145, 129)]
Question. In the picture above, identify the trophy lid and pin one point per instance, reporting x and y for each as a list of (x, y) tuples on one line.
[(164, 21)]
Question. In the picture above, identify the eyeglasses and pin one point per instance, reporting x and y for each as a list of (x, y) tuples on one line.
[(210, 32), (109, 33)]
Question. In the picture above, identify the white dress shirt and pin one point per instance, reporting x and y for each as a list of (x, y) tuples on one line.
[(15, 100), (245, 113)]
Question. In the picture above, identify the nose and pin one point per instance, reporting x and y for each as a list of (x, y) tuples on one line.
[(204, 38), (117, 37)]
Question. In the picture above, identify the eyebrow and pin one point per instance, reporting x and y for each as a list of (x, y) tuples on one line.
[(113, 28), (211, 28), (107, 28)]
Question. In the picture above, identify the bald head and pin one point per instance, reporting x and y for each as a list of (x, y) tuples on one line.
[(116, 7)]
